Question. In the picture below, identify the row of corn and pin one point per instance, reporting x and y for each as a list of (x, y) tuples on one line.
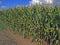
[(40, 23)]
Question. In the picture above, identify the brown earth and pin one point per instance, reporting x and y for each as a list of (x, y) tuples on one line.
[(16, 39)]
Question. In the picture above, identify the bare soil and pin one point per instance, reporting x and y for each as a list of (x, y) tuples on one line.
[(14, 39)]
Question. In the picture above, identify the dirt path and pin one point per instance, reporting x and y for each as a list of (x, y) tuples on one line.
[(14, 39), (5, 40)]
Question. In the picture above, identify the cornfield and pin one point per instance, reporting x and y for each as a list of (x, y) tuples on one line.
[(40, 23)]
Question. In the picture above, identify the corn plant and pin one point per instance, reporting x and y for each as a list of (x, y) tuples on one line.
[(40, 23)]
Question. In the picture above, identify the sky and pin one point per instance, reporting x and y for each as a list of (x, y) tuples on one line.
[(13, 3)]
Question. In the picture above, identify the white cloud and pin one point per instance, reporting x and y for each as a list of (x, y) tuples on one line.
[(49, 1), (33, 2)]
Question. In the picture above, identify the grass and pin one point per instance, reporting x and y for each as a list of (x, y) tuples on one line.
[(2, 25)]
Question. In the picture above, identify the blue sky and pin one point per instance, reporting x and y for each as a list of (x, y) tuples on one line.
[(13, 3)]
